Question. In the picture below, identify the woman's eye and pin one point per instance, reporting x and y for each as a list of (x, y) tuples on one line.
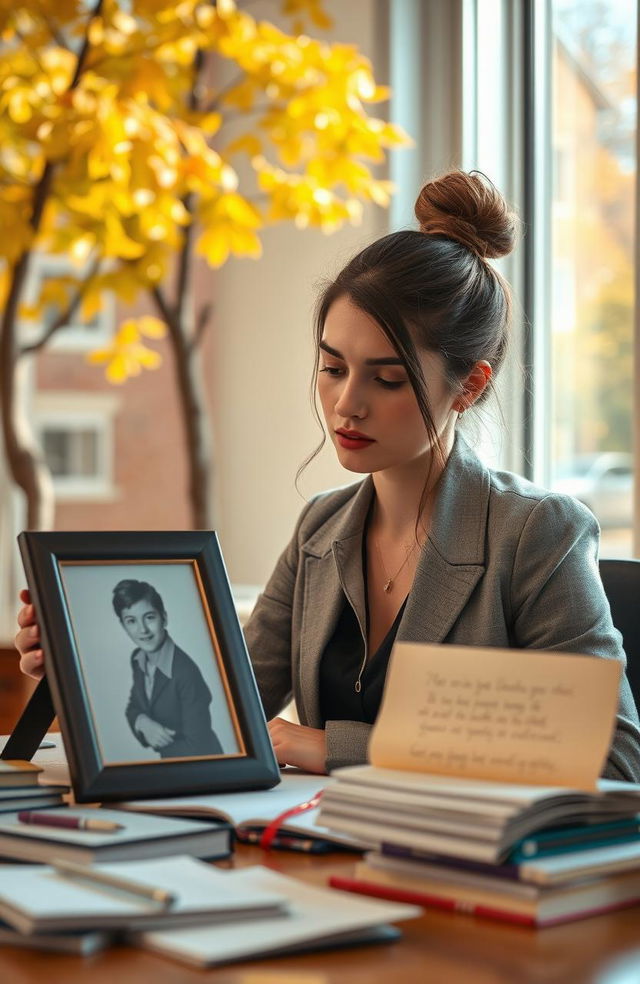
[(391, 384), (331, 370)]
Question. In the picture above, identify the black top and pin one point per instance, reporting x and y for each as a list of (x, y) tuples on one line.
[(340, 666)]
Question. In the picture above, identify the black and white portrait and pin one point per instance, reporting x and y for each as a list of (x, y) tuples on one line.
[(149, 660)]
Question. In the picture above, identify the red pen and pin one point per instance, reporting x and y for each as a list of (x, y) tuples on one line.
[(63, 819)]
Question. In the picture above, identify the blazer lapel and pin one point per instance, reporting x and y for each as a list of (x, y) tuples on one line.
[(452, 561), (160, 681), (333, 570)]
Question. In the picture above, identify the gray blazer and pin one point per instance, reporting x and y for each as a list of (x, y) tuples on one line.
[(505, 564)]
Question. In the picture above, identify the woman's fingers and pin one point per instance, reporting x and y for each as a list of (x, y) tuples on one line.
[(26, 616), (28, 638), (32, 663)]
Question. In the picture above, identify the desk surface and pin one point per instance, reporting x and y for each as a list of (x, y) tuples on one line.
[(440, 947)]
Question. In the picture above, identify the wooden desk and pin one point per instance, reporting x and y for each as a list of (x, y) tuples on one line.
[(439, 948)]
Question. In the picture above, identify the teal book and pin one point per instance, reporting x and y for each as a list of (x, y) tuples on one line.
[(561, 840)]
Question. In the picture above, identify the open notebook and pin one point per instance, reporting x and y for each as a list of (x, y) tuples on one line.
[(250, 812)]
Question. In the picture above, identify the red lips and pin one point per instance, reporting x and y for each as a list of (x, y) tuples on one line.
[(353, 439), (353, 434)]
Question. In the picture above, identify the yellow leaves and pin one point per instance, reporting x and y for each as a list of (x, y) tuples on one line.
[(248, 143), (127, 355), (300, 9), (229, 223), (302, 198), (18, 102), (210, 123), (133, 154), (152, 327)]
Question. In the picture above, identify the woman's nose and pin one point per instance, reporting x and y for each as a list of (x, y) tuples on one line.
[(351, 401)]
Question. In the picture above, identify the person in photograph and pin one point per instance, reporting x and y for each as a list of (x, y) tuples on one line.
[(430, 545), (168, 707)]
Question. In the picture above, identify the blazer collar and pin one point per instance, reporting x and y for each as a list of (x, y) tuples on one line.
[(347, 523), (459, 521), (450, 565), (453, 558)]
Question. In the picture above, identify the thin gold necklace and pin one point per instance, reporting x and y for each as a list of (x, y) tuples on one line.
[(390, 581)]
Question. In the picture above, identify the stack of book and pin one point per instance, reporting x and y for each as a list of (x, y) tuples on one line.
[(483, 793), (496, 850), (20, 789), (183, 908)]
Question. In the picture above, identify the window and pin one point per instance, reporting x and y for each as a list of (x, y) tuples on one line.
[(76, 436), (592, 208), (71, 453), (554, 104)]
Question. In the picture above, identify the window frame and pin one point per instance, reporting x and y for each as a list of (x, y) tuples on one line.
[(74, 412)]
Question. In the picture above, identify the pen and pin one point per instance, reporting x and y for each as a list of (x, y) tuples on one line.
[(287, 842), (158, 896), (63, 819)]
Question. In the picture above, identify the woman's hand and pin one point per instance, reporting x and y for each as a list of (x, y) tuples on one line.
[(28, 639), (295, 744)]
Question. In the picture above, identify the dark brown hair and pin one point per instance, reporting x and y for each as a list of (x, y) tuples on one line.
[(126, 593), (434, 289)]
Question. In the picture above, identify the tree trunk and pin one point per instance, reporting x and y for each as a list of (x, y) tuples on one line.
[(188, 372), (24, 460)]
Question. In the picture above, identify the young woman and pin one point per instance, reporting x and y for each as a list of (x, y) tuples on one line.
[(431, 546)]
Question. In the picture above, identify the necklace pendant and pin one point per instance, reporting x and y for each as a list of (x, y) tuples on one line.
[(387, 587)]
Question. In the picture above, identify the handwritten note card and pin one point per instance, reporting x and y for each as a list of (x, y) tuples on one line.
[(502, 714)]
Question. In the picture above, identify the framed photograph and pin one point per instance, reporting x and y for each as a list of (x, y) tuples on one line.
[(147, 665)]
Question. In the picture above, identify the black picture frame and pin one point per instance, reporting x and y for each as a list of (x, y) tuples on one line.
[(66, 574)]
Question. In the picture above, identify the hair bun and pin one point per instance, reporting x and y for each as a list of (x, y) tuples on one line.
[(468, 208)]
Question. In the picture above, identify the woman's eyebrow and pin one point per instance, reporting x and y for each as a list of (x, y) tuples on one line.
[(384, 361)]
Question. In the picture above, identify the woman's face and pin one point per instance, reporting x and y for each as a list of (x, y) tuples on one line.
[(369, 406), (144, 625)]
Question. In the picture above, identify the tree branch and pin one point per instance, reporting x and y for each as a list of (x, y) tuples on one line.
[(162, 305), (27, 49), (65, 316), (237, 114), (86, 45), (201, 325), (215, 102), (57, 35)]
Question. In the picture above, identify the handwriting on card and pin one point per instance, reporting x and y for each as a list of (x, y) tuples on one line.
[(505, 710), (507, 715)]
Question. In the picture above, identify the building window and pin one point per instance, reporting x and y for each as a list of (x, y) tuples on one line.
[(71, 453), (76, 436)]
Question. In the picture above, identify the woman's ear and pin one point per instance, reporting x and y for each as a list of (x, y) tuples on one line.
[(473, 386)]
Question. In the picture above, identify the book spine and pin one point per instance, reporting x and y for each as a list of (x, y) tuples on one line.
[(431, 901), (532, 849), (508, 871)]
